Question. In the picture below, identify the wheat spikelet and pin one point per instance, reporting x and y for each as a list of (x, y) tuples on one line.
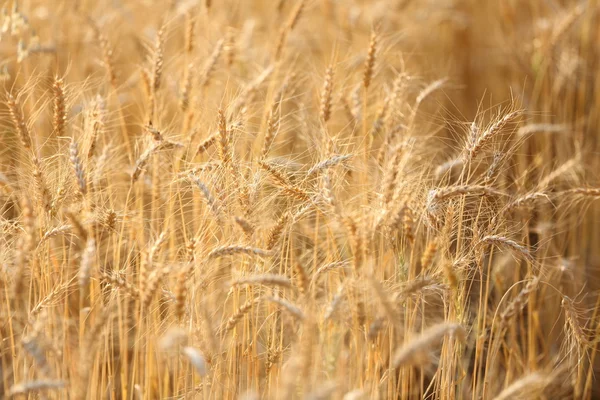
[(530, 129), (40, 183), (211, 63), (250, 89), (284, 182), (246, 226), (230, 47), (186, 87), (190, 31), (276, 231), (326, 92), (563, 169), (273, 124), (565, 24), (224, 151), (60, 115), (142, 161), (19, 122), (210, 200), (87, 259), (355, 104), (272, 358), (380, 119), (56, 231), (529, 386), (484, 138), (239, 314), (328, 193), (329, 163), (494, 168), (424, 94), (78, 167), (429, 255), (24, 247), (389, 178), (517, 304), (525, 201), (190, 249), (445, 193), (356, 238), (152, 281), (296, 14), (448, 166), (120, 283), (158, 244), (98, 115), (154, 77), (385, 301), (450, 273), (583, 192), (196, 358), (375, 327), (107, 52), (415, 286), (274, 117), (291, 308), (31, 345), (301, 278), (80, 230), (369, 67), (86, 357), (156, 134), (287, 28), (206, 144), (56, 293), (408, 223), (235, 249), (572, 319), (25, 388), (265, 279), (275, 173), (502, 241), (328, 267), (147, 84), (181, 293), (429, 89), (172, 339), (158, 59), (415, 352)]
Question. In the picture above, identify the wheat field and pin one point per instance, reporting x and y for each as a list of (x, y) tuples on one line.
[(299, 199)]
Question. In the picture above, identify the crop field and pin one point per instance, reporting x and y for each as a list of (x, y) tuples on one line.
[(300, 199)]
